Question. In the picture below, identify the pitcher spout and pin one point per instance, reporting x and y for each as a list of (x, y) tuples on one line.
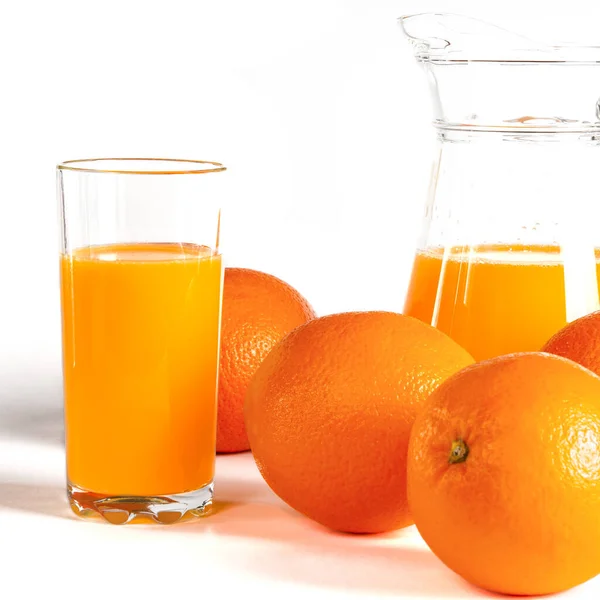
[(486, 77), (439, 36)]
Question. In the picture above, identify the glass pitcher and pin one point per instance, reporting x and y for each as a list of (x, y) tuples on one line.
[(510, 246)]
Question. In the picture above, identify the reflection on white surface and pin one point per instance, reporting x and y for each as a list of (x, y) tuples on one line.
[(253, 543)]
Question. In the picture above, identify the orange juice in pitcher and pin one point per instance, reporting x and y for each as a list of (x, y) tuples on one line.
[(493, 299)]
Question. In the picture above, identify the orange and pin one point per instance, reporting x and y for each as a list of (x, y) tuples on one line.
[(579, 341), (330, 409), (258, 310), (504, 474)]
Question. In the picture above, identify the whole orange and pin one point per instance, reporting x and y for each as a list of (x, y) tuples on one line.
[(504, 474), (329, 413), (258, 310), (579, 341)]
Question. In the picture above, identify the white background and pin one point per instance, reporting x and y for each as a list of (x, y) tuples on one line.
[(322, 118)]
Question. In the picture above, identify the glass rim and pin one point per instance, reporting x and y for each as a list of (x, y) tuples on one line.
[(204, 166)]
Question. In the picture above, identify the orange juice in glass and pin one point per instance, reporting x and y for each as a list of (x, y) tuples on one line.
[(141, 279)]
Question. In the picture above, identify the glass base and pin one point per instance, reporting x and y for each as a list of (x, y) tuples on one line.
[(120, 510)]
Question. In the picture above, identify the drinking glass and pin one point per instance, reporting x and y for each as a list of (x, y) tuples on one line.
[(510, 247), (141, 287)]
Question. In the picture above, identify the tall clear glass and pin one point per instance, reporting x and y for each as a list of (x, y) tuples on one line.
[(510, 245), (141, 281)]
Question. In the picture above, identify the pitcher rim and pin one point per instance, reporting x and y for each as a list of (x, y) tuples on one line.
[(439, 50)]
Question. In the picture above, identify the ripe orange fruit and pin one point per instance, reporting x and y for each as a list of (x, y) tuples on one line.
[(579, 341), (329, 413), (504, 474), (258, 310)]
